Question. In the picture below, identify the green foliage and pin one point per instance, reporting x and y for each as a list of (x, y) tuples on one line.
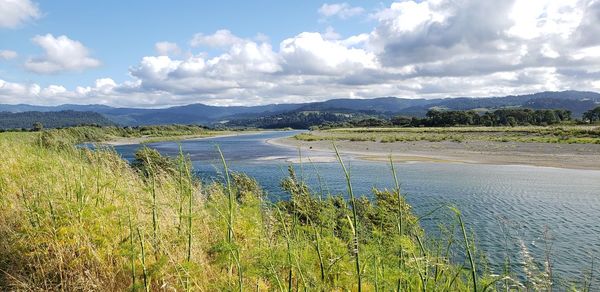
[(301, 120), (500, 117), (67, 137), (60, 119), (149, 161), (448, 118), (37, 126), (592, 115)]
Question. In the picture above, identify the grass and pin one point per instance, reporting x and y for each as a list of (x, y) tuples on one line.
[(145, 134), (354, 225), (553, 134), (74, 219)]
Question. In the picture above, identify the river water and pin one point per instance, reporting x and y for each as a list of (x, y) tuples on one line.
[(507, 207)]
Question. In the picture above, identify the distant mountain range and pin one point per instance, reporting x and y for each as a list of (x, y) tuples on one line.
[(575, 101)]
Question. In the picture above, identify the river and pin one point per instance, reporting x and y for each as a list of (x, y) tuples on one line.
[(508, 207)]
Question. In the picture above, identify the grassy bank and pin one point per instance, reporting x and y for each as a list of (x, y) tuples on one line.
[(74, 219), (558, 134), (145, 134)]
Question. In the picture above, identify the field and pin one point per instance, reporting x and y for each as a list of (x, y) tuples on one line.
[(75, 219), (557, 134)]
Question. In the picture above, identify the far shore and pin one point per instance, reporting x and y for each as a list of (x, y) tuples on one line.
[(570, 156), (152, 139)]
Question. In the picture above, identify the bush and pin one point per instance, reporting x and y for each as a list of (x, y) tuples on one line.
[(149, 162)]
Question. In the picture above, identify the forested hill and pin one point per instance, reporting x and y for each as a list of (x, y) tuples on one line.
[(26, 120), (577, 102)]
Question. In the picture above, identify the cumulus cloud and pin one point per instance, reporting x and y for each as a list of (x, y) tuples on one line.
[(340, 10), (16, 12), (588, 31), (8, 54), (428, 48), (428, 31), (221, 38), (167, 48), (450, 38), (310, 53), (61, 54)]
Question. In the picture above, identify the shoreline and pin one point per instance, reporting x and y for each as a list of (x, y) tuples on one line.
[(493, 153), (153, 139)]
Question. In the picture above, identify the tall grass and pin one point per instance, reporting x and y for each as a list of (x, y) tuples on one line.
[(74, 219), (231, 204), (354, 222), (467, 247)]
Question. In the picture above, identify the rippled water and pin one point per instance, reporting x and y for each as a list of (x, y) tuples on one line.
[(504, 205)]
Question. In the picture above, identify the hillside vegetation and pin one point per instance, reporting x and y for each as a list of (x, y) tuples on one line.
[(577, 102), (75, 219), (60, 119), (75, 135)]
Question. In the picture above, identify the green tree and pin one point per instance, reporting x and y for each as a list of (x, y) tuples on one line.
[(37, 126), (511, 121), (592, 115), (401, 121)]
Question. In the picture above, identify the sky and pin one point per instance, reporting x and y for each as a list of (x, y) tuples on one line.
[(165, 53)]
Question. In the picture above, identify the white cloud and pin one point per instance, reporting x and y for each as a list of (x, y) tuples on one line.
[(331, 34), (549, 52), (340, 10), (167, 48), (221, 38), (533, 19), (356, 40), (197, 74), (8, 54), (15, 12), (309, 53), (61, 54), (428, 48)]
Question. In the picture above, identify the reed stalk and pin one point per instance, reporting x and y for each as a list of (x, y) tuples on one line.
[(132, 251), (230, 216), (400, 218), (354, 217), (467, 247), (144, 271)]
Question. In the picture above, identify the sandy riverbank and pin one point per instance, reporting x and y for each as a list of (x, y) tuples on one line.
[(573, 156)]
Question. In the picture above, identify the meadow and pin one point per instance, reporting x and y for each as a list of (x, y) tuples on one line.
[(527, 134), (76, 219)]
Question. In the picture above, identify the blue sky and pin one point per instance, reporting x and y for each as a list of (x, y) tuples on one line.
[(162, 53), (117, 34)]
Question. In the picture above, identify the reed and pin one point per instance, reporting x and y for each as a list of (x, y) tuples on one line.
[(467, 247), (144, 270), (132, 251), (354, 219), (400, 221), (230, 218)]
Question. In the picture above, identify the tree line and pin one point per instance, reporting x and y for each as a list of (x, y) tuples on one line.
[(295, 120), (439, 118)]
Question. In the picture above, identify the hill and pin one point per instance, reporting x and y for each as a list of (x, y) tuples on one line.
[(576, 101), (60, 119)]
